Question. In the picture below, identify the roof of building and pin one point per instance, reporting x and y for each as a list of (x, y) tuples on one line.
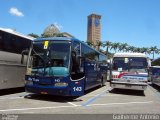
[(51, 30), (65, 34), (11, 31)]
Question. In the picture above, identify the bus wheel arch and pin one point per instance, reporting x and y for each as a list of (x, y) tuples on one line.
[(102, 81)]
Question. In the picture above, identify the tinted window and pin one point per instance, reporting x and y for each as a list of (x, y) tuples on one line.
[(1, 41), (156, 62), (76, 47), (13, 43), (89, 53)]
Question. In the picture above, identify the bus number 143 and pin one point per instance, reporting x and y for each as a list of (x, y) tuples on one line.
[(77, 88)]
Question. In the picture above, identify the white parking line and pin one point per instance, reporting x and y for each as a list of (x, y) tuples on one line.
[(127, 103), (39, 108), (73, 104), (110, 95)]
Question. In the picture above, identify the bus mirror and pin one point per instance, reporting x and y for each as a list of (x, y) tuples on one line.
[(24, 52)]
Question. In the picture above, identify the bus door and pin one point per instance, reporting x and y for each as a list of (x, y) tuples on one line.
[(91, 71), (77, 71)]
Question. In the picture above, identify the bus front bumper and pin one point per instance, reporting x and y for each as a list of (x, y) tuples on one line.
[(51, 90), (131, 86)]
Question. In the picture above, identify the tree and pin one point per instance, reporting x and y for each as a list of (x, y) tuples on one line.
[(98, 45), (138, 49), (144, 50), (89, 43), (123, 47), (52, 35), (107, 44), (33, 35), (115, 46), (154, 50), (131, 48)]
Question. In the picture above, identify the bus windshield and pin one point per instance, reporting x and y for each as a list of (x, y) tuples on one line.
[(130, 64), (56, 55)]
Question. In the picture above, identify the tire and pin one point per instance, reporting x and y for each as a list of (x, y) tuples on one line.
[(102, 82), (142, 92)]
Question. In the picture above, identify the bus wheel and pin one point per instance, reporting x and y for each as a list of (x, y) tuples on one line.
[(142, 92), (102, 82)]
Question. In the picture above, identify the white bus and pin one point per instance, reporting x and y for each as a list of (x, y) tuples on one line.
[(130, 71), (12, 70)]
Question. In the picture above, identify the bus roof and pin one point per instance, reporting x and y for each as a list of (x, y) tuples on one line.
[(55, 38), (16, 33), (66, 39), (129, 55)]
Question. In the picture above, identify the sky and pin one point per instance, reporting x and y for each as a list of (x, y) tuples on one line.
[(135, 22)]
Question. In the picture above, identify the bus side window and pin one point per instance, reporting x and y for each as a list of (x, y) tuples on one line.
[(75, 65)]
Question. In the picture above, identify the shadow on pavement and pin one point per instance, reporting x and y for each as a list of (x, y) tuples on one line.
[(127, 92), (53, 98), (92, 90), (61, 99), (156, 87), (11, 91)]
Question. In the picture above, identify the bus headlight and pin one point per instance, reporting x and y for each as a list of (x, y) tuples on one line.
[(61, 84)]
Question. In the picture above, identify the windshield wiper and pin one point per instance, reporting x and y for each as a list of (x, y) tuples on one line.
[(44, 63)]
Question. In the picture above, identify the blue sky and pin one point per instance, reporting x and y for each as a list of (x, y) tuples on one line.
[(136, 22)]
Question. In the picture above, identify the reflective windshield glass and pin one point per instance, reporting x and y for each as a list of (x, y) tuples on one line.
[(59, 54), (120, 63), (56, 54), (131, 64), (38, 54)]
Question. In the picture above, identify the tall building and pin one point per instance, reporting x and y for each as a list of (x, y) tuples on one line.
[(94, 29)]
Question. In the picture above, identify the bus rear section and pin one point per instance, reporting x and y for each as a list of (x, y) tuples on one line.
[(130, 71)]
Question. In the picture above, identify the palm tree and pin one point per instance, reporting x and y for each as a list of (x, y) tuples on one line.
[(115, 46), (138, 49), (131, 48), (107, 44), (127, 49), (144, 50), (158, 51), (153, 50), (98, 45), (33, 35), (89, 43), (123, 47)]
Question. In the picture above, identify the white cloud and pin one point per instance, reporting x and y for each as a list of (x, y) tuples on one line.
[(16, 12)]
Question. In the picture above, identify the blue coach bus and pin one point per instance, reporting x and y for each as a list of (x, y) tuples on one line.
[(64, 66)]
